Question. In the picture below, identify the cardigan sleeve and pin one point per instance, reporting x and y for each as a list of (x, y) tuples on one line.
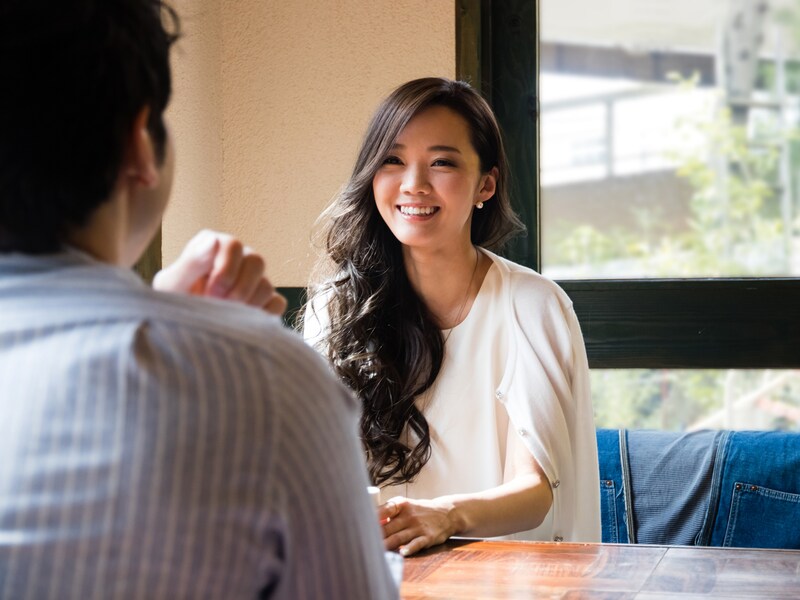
[(548, 400)]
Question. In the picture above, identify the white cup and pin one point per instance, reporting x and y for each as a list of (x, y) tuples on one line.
[(375, 494)]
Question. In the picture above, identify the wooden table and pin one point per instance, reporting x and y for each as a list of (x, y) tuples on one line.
[(486, 569)]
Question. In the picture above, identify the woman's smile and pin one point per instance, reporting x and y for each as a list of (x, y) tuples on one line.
[(415, 212), (428, 185)]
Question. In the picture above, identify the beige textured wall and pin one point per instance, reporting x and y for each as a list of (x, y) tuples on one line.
[(282, 92), (195, 118)]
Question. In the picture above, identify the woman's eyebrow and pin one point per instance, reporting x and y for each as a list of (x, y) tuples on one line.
[(444, 149), (437, 148)]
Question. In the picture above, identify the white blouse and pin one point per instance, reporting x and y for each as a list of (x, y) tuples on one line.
[(468, 454), (514, 369)]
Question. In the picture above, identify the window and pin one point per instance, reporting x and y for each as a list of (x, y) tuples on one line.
[(656, 166)]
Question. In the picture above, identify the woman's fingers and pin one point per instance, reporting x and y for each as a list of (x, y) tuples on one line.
[(396, 534), (415, 545), (390, 509), (395, 526), (412, 525), (409, 541)]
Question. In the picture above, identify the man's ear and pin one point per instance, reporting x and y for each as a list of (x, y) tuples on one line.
[(140, 156), (488, 185)]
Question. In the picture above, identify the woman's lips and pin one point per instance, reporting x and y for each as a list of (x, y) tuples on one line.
[(417, 211)]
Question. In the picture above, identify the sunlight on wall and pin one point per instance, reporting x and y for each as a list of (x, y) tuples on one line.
[(270, 104)]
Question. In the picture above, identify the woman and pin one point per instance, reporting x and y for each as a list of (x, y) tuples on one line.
[(471, 369)]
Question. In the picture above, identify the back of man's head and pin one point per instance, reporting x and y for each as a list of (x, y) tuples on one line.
[(75, 73)]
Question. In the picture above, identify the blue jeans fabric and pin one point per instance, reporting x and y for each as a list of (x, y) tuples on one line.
[(613, 509), (758, 492), (709, 488), (671, 477)]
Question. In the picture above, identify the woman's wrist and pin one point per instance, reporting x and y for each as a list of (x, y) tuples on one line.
[(517, 505), (459, 513)]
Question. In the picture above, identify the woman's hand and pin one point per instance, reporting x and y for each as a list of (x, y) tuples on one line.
[(218, 265), (518, 505), (412, 525)]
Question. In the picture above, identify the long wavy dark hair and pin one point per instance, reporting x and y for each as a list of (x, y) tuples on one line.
[(382, 341)]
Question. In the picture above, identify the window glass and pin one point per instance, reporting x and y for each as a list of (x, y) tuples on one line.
[(687, 400), (669, 138)]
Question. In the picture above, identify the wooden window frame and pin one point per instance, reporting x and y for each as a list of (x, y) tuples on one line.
[(643, 323), (150, 262)]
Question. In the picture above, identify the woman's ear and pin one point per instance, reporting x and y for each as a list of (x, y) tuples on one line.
[(140, 157), (488, 185)]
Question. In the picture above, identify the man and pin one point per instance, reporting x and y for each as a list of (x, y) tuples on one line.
[(151, 445)]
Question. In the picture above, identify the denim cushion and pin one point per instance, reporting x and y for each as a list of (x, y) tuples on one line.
[(612, 489), (759, 491), (670, 476)]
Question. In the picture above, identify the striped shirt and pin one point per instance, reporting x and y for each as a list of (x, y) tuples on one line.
[(164, 446)]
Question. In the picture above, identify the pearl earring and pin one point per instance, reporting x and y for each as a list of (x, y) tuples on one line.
[(479, 205)]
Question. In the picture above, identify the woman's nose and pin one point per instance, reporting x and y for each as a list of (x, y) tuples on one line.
[(415, 181)]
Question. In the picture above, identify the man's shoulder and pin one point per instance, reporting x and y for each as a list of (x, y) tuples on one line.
[(271, 351), (236, 323), (58, 294)]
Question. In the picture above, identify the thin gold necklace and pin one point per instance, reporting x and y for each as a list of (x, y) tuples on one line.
[(466, 295)]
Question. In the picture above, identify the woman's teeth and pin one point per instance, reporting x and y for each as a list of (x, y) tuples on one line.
[(418, 210)]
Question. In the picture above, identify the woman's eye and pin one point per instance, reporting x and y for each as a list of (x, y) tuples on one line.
[(391, 160), (443, 162)]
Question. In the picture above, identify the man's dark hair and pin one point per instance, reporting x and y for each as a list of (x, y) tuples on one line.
[(73, 76)]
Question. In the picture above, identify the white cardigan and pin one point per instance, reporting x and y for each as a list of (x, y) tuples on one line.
[(544, 387)]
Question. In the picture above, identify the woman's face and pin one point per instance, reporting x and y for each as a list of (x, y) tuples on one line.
[(431, 180)]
